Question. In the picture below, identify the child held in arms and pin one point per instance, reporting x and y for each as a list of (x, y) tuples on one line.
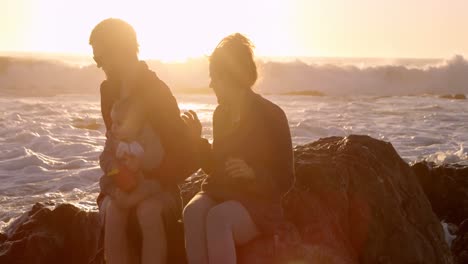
[(137, 150)]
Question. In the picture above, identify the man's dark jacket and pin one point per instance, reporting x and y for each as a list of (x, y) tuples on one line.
[(163, 114)]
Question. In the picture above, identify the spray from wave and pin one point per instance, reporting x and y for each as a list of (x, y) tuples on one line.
[(32, 77)]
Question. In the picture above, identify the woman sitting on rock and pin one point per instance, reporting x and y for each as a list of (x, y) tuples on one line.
[(249, 165)]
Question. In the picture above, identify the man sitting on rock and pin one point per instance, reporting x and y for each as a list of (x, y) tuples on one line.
[(115, 49)]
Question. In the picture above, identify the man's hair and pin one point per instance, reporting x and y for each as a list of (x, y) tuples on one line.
[(233, 57), (115, 33)]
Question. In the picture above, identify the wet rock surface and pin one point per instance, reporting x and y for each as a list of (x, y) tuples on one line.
[(446, 187), (43, 235)]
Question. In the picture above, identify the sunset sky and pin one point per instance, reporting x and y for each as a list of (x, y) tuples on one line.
[(176, 29)]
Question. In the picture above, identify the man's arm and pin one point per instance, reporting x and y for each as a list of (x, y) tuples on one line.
[(107, 160)]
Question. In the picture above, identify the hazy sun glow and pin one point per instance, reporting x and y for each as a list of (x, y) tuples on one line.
[(178, 29), (167, 30)]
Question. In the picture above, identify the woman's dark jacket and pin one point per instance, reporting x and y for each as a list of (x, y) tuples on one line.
[(263, 140)]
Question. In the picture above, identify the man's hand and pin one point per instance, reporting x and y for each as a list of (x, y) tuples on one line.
[(193, 123), (237, 168)]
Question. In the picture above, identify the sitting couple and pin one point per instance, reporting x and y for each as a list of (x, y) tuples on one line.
[(150, 149)]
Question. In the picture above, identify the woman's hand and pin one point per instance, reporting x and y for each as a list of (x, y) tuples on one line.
[(237, 168), (193, 123)]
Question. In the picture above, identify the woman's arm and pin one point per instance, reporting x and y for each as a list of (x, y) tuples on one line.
[(205, 156), (204, 150)]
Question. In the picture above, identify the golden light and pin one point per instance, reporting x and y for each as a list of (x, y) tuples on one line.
[(167, 30), (178, 29)]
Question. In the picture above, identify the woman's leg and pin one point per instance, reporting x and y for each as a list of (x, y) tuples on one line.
[(150, 218), (228, 224), (194, 217), (116, 246)]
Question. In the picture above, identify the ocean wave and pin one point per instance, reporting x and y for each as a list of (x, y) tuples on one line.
[(446, 157), (446, 78), (87, 123), (29, 77)]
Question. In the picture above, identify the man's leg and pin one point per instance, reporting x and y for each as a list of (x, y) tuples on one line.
[(194, 217), (228, 224), (116, 246), (150, 218)]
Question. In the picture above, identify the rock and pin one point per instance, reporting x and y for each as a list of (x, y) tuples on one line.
[(460, 244), (452, 228), (446, 186), (62, 235), (463, 257), (355, 201), (463, 228), (368, 205)]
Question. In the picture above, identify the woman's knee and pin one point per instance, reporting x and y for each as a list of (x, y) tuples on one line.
[(221, 215), (197, 208), (232, 217)]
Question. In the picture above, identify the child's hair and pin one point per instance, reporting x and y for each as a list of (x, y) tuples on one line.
[(129, 115)]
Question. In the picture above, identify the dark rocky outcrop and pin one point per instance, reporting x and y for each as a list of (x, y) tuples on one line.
[(62, 235), (355, 201), (367, 203), (446, 187), (460, 244)]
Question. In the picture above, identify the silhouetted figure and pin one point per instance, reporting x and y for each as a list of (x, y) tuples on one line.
[(154, 199), (250, 163), (138, 148)]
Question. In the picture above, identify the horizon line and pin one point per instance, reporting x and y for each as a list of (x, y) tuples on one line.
[(4, 53)]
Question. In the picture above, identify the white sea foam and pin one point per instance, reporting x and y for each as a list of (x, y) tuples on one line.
[(447, 235), (339, 77)]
